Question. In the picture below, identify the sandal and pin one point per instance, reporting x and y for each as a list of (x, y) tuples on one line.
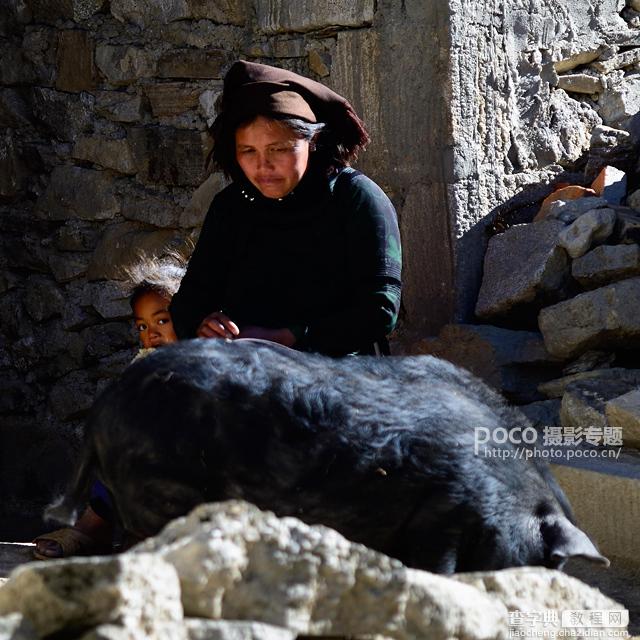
[(71, 542)]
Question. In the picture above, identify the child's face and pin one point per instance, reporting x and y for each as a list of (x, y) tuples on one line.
[(153, 321)]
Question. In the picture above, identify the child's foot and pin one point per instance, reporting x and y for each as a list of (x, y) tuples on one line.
[(70, 541)]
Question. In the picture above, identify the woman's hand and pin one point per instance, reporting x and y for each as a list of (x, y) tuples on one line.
[(281, 336), (218, 325)]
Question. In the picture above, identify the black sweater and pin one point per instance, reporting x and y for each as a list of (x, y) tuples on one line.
[(324, 261)]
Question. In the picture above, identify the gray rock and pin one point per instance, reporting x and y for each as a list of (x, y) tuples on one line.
[(69, 398), (80, 193), (207, 104), (170, 156), (628, 227), (201, 629), (513, 362), (577, 59), (194, 213), (172, 98), (580, 83), (65, 116), (607, 264), (584, 402), (121, 245), (167, 631), (139, 592), (620, 101), (13, 172), (14, 67), (588, 361), (277, 17), (193, 63), (619, 61), (77, 235), (109, 154), (123, 64), (145, 13), (569, 211), (311, 580), (150, 207), (43, 299), (119, 106), (68, 266), (532, 589), (15, 627), (520, 264), (624, 412), (104, 339), (633, 200), (556, 388), (609, 146), (76, 10), (592, 227), (543, 413), (14, 109), (75, 68), (607, 317)]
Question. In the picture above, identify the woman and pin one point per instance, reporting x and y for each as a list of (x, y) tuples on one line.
[(300, 249)]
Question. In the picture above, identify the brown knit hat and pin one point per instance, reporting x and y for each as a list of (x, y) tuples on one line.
[(259, 89)]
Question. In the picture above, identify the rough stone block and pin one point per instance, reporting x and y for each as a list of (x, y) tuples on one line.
[(103, 340), (68, 266), (109, 299), (172, 98), (592, 227), (569, 211), (519, 264), (513, 362), (76, 70), (14, 108), (144, 13), (14, 67), (279, 17), (627, 229), (193, 63), (580, 83), (141, 205), (584, 402), (576, 60), (611, 184), (78, 192), (170, 156), (139, 592), (220, 11), (70, 397), (65, 116), (607, 264), (564, 194), (624, 412), (51, 10), (610, 147), (319, 63), (119, 106), (625, 59), (123, 64), (607, 317), (200, 629), (120, 246), (194, 213), (110, 154), (315, 579), (13, 172), (556, 388), (43, 299), (620, 102), (77, 235)]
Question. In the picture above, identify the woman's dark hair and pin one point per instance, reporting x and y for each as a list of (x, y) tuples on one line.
[(161, 275), (329, 152)]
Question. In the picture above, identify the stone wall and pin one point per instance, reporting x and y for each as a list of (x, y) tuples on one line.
[(103, 115)]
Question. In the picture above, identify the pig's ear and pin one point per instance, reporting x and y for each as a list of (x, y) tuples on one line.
[(563, 540)]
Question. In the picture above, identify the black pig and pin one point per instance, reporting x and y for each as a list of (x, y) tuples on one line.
[(380, 449)]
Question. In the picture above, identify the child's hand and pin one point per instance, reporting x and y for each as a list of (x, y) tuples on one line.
[(218, 325)]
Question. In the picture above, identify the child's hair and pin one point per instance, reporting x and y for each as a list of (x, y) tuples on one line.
[(160, 274)]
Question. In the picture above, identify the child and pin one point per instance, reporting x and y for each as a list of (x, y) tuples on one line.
[(151, 283)]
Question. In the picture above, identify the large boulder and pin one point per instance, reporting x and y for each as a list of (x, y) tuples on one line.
[(606, 264), (624, 412), (513, 362), (608, 317), (521, 264)]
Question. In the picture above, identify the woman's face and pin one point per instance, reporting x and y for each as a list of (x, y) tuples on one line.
[(271, 156)]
